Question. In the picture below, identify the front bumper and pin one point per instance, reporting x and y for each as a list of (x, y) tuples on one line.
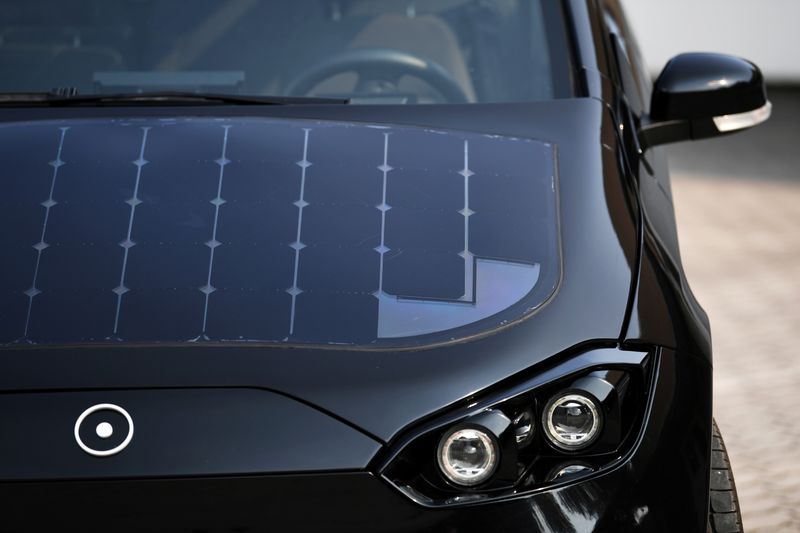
[(661, 487)]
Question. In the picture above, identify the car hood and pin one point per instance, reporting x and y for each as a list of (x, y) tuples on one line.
[(378, 263)]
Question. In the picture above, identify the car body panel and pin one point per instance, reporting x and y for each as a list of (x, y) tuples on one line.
[(664, 311), (666, 471), (371, 389), (174, 432)]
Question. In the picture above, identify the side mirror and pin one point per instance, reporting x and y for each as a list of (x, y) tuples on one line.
[(703, 95)]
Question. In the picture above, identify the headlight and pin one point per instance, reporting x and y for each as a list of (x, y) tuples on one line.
[(557, 426), (470, 453), (572, 421), (468, 456)]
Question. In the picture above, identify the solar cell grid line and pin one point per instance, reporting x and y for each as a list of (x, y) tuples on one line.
[(41, 246), (212, 244), (294, 291), (466, 212), (383, 207), (127, 244)]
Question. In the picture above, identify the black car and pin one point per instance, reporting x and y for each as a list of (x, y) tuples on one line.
[(354, 266)]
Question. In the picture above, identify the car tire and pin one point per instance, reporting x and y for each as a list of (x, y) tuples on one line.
[(724, 515)]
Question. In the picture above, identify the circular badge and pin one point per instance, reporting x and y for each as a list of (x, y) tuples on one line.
[(104, 429)]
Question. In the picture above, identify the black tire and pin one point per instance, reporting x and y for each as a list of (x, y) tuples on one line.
[(724, 514)]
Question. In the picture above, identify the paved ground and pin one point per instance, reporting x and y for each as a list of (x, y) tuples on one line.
[(738, 206)]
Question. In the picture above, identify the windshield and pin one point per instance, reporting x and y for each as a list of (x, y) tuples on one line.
[(369, 51)]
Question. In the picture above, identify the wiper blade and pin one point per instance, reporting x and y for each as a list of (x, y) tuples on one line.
[(56, 99)]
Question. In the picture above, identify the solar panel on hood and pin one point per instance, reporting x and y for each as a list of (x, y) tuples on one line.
[(268, 230)]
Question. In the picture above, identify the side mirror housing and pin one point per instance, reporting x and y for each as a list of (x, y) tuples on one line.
[(701, 95)]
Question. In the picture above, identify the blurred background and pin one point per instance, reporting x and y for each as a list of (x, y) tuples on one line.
[(738, 206)]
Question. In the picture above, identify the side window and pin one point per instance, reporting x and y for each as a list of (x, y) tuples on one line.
[(633, 78), (639, 70), (630, 112)]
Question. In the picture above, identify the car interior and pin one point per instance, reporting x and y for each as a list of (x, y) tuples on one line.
[(371, 51)]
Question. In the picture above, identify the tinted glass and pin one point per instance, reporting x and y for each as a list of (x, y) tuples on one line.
[(373, 51)]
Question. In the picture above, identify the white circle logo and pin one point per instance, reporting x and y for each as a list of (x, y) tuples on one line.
[(104, 430)]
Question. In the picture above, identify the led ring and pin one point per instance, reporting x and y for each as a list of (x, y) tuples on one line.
[(103, 407), (591, 434)]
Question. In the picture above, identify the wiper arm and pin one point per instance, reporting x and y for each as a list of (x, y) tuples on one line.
[(59, 99)]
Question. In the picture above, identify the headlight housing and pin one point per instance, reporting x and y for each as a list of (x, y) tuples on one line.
[(570, 421)]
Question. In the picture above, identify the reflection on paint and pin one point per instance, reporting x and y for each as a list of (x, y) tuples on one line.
[(499, 285)]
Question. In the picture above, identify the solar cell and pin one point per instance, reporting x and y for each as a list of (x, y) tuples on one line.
[(269, 230)]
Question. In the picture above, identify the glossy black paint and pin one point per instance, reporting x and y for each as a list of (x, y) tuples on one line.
[(693, 90), (622, 288), (660, 487), (371, 389), (704, 85), (245, 431)]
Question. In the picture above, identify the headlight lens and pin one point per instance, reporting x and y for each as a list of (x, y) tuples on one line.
[(468, 456), (572, 421)]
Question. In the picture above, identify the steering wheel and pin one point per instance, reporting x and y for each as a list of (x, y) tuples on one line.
[(377, 66)]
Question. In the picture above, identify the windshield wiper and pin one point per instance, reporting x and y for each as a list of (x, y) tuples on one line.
[(59, 99)]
